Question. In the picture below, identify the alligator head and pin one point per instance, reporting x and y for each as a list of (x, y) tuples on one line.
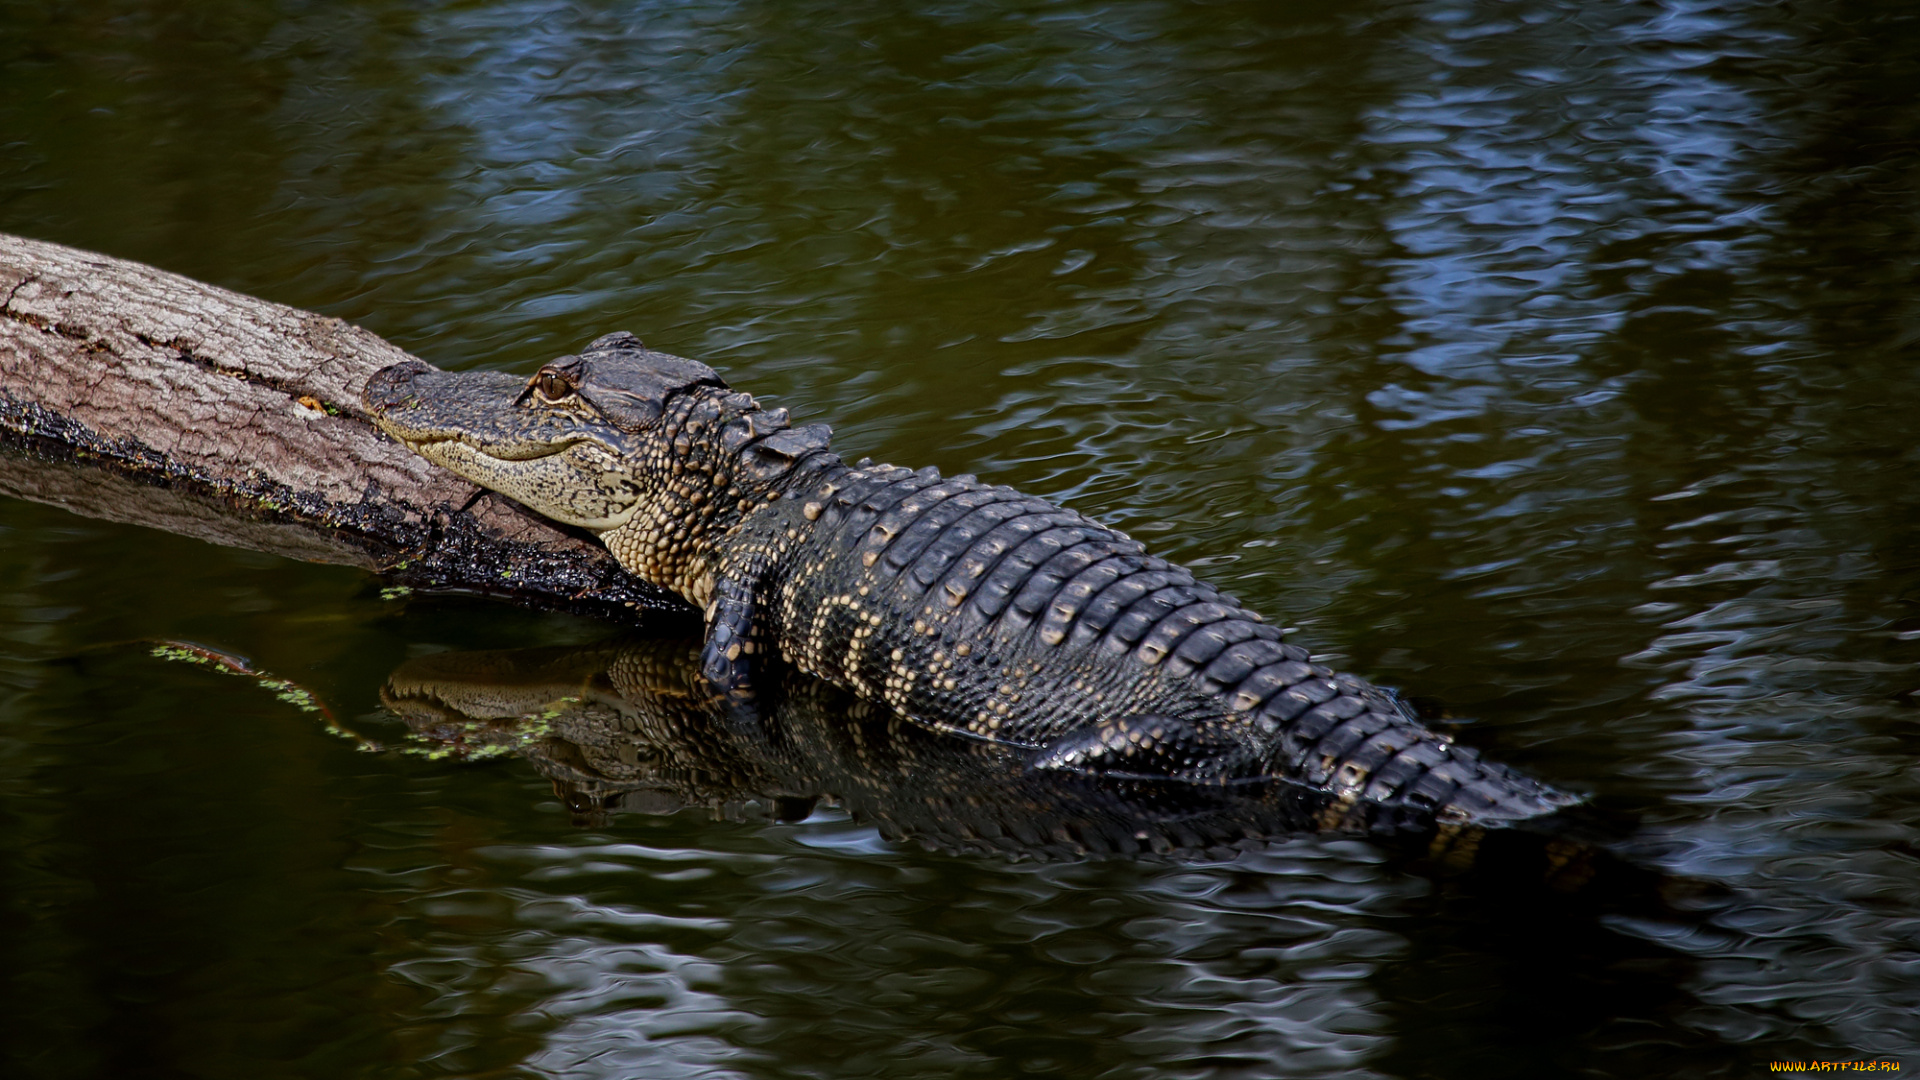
[(653, 452)]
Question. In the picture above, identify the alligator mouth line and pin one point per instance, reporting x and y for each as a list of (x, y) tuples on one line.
[(495, 452)]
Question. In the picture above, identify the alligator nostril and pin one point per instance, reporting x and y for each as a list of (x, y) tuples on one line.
[(390, 387)]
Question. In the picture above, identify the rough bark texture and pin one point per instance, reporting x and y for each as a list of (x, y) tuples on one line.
[(136, 395)]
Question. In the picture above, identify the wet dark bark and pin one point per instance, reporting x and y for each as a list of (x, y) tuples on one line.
[(135, 395)]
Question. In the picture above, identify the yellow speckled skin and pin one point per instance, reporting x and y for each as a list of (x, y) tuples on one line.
[(970, 607)]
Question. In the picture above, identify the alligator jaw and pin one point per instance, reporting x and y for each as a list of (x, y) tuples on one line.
[(425, 443)]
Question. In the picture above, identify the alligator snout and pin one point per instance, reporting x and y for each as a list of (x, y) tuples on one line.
[(391, 386), (415, 402)]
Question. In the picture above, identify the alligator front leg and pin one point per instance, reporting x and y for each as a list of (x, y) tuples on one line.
[(726, 658)]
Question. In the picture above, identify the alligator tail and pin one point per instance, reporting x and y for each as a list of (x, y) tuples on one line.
[(1366, 748)]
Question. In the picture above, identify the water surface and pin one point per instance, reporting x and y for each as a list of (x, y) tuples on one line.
[(1553, 361)]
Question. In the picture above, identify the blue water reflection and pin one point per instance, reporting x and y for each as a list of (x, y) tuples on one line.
[(1554, 361)]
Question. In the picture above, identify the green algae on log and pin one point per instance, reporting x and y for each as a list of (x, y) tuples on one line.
[(136, 395)]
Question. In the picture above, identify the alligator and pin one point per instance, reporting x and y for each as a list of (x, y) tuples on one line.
[(969, 607)]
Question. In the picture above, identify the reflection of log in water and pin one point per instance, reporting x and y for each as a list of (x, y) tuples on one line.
[(630, 726)]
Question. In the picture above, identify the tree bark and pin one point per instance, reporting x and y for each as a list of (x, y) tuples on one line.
[(135, 395)]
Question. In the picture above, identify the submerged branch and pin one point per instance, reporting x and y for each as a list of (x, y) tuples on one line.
[(136, 395)]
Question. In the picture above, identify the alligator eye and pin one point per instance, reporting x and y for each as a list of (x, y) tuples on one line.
[(552, 386)]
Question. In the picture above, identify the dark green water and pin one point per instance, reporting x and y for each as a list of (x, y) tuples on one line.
[(1557, 361)]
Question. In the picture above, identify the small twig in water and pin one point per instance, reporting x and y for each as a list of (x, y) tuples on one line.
[(285, 689)]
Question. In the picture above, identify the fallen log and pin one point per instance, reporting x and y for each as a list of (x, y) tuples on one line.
[(136, 395)]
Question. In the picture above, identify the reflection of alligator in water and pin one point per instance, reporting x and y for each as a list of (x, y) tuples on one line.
[(632, 726), (970, 607)]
